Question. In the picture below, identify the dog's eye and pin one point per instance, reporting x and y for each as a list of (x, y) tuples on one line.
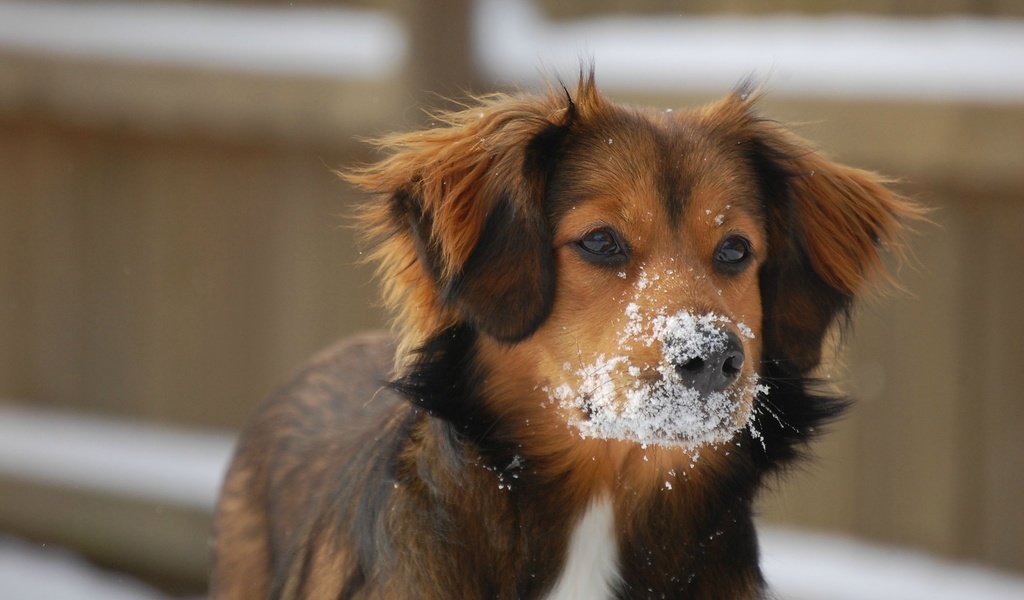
[(600, 241), (732, 254), (602, 246)]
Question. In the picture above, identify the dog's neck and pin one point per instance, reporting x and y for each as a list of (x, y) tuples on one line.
[(536, 533), (677, 520)]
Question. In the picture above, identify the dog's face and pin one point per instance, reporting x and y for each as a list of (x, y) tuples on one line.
[(654, 335), (634, 272)]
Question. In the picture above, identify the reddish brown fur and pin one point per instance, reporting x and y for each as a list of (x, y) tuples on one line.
[(464, 479), (455, 169)]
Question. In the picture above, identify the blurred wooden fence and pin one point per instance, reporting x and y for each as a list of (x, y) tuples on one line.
[(171, 247)]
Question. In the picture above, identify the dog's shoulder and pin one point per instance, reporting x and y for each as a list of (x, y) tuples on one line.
[(331, 403), (292, 454), (341, 390), (352, 369), (374, 350)]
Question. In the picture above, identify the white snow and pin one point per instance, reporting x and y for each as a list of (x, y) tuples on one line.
[(801, 565), (622, 397), (686, 336), (327, 42), (955, 58), (31, 571), (122, 458)]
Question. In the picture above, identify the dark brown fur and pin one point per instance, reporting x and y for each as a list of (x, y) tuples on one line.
[(438, 470)]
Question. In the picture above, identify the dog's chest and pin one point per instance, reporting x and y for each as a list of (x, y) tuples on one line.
[(591, 566)]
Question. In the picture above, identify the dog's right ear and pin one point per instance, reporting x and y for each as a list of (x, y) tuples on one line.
[(830, 227), (459, 226)]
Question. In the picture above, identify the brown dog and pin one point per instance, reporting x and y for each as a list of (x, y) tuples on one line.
[(606, 321)]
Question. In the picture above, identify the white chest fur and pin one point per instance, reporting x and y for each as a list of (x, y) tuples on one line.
[(591, 567)]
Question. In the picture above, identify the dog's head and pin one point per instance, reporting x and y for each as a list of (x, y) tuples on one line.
[(634, 268)]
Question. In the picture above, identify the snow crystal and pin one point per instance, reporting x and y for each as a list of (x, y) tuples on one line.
[(617, 397), (642, 280), (685, 336)]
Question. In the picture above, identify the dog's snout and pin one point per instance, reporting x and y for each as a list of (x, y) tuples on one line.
[(716, 370)]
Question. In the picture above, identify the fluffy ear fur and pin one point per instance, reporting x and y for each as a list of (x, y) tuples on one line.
[(459, 224), (829, 226)]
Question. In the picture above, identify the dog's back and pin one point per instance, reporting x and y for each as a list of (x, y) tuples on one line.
[(292, 458)]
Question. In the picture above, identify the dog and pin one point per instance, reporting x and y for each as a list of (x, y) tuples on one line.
[(607, 321)]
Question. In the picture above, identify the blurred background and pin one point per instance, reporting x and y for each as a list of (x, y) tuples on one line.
[(173, 246)]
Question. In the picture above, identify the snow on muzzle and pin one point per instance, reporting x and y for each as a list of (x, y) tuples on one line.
[(695, 394)]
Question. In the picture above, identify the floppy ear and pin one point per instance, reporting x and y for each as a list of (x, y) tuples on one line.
[(459, 221), (829, 226)]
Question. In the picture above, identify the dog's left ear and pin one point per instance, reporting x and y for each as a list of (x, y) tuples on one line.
[(829, 227), (460, 224)]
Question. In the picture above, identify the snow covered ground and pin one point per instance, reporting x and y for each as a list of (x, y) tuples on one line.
[(803, 565), (326, 42), (956, 58), (798, 565), (184, 467), (31, 572)]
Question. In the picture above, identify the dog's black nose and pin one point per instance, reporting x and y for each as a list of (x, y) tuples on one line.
[(715, 371)]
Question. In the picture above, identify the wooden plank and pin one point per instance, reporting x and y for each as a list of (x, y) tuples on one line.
[(174, 278), (909, 452), (999, 398), (55, 255), (892, 469), (439, 65), (16, 266)]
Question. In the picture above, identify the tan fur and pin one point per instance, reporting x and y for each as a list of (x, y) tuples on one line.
[(450, 167), (341, 488)]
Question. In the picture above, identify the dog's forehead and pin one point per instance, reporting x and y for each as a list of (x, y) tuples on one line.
[(646, 161)]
